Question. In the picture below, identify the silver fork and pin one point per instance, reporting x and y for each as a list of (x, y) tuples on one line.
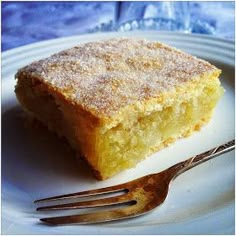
[(142, 195)]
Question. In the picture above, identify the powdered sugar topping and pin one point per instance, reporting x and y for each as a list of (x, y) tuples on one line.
[(105, 76)]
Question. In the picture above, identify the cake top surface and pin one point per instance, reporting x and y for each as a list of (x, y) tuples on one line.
[(105, 76)]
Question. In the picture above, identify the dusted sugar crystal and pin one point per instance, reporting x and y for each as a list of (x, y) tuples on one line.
[(118, 101)]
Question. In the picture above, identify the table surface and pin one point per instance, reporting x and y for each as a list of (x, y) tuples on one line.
[(27, 22)]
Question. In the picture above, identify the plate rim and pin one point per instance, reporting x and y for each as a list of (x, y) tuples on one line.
[(42, 42)]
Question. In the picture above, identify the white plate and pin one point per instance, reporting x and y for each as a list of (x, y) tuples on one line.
[(201, 201)]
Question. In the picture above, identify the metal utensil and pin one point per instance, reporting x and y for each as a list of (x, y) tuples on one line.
[(139, 196)]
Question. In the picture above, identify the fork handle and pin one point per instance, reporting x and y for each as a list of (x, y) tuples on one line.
[(200, 158)]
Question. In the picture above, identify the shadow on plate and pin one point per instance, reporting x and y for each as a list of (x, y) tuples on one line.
[(227, 72), (31, 155)]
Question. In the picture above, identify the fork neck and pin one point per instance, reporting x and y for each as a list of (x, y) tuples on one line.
[(198, 159)]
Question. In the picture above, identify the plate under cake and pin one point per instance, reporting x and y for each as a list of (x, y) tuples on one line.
[(117, 101)]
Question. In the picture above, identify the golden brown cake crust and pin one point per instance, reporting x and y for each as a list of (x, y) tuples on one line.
[(103, 77)]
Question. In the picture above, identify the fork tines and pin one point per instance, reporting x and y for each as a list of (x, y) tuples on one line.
[(95, 217)]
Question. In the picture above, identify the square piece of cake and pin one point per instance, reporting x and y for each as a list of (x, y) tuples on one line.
[(119, 100)]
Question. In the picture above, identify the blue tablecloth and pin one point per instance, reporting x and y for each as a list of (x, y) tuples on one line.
[(28, 22)]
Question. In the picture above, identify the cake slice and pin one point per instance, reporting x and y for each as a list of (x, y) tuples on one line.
[(118, 101)]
